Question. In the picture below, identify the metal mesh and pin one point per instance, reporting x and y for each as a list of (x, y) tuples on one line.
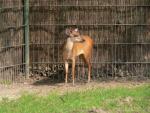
[(11, 41), (120, 29)]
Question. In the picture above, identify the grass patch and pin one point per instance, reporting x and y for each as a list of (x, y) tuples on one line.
[(120, 99)]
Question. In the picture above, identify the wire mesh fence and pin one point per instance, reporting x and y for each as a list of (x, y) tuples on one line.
[(120, 29), (11, 41)]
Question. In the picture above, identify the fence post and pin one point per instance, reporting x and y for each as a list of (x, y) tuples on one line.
[(26, 36)]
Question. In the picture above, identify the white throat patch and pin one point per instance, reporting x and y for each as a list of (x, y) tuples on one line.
[(69, 47), (69, 44)]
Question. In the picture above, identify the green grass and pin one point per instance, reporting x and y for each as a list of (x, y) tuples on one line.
[(116, 100)]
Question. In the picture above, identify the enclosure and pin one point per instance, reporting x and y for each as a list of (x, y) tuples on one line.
[(32, 34)]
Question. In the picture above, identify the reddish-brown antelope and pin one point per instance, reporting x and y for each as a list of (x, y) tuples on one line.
[(77, 45)]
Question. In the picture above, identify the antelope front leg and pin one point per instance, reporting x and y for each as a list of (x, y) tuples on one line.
[(66, 69), (73, 70)]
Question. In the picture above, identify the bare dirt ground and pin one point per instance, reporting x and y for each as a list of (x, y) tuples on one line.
[(45, 86)]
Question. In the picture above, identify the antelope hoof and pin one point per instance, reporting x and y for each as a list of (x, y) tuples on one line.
[(89, 81), (66, 82), (73, 83)]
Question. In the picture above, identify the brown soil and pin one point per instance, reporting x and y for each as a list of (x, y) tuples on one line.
[(45, 86)]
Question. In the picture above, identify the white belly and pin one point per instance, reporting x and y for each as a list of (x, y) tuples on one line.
[(80, 52)]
